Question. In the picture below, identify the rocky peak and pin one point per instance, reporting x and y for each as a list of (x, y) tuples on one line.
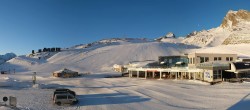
[(234, 17), (170, 35)]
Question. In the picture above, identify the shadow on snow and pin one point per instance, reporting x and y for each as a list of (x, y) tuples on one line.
[(243, 104), (106, 99)]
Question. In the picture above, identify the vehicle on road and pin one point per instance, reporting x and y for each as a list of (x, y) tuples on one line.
[(65, 98)]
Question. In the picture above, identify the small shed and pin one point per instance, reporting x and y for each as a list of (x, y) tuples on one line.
[(65, 73)]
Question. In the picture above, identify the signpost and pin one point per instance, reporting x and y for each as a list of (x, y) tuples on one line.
[(34, 78)]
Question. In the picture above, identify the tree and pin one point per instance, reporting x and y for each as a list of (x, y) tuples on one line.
[(39, 50), (33, 51)]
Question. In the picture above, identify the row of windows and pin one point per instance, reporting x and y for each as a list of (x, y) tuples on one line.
[(217, 58), (229, 58), (191, 61), (206, 59)]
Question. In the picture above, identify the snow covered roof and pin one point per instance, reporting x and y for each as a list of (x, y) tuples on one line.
[(65, 70)]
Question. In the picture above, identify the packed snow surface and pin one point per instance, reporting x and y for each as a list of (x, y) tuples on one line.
[(127, 93)]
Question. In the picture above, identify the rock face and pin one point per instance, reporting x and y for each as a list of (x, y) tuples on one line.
[(235, 29), (170, 35), (167, 36), (234, 17)]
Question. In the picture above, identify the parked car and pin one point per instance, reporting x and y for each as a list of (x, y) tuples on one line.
[(63, 91), (65, 98), (3, 72)]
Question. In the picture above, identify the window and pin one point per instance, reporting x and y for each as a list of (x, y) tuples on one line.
[(231, 59), (206, 59), (70, 97), (62, 97), (190, 60), (215, 58), (217, 74), (202, 60), (227, 58), (219, 58), (170, 60)]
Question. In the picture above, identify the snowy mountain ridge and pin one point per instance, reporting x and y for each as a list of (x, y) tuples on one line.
[(6, 57), (235, 29), (170, 38), (112, 41)]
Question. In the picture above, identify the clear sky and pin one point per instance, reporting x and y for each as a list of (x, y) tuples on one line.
[(27, 25)]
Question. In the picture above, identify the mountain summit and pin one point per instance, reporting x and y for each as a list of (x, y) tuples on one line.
[(6, 57), (233, 18), (235, 29)]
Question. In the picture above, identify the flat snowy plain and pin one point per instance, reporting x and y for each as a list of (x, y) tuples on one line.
[(97, 93)]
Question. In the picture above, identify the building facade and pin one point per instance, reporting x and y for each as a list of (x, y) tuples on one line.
[(197, 58), (208, 67)]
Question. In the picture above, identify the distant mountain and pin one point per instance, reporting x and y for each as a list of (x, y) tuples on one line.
[(170, 38), (112, 41), (169, 35), (6, 57), (235, 29)]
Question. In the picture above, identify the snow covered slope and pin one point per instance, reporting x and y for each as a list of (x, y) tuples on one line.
[(99, 56), (235, 29)]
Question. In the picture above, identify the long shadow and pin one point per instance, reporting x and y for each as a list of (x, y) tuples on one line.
[(111, 98), (96, 87), (243, 104), (27, 84)]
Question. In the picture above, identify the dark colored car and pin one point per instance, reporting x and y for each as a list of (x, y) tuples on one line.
[(63, 91)]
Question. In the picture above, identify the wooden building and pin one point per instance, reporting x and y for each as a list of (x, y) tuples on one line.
[(65, 73)]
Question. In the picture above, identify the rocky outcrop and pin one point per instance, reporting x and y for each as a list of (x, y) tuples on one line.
[(235, 29), (234, 17), (169, 35)]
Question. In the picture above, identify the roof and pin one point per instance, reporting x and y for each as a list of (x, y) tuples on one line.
[(241, 65), (65, 70), (209, 53)]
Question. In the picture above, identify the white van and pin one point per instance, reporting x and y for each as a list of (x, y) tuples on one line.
[(66, 98)]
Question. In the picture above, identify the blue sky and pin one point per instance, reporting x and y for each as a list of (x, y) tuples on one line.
[(27, 25)]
